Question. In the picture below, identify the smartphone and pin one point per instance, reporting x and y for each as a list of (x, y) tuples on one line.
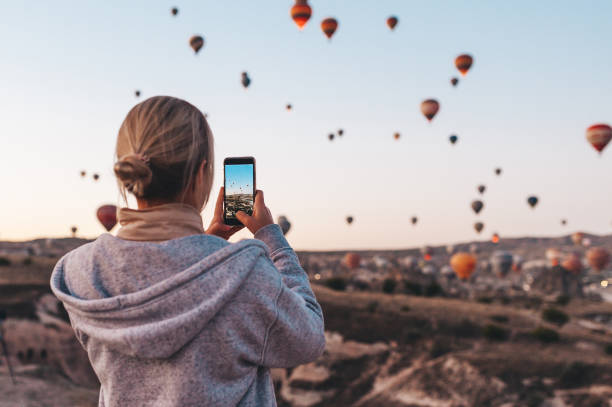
[(239, 187)]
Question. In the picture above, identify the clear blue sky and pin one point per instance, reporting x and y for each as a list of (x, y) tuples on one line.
[(542, 74), (239, 179)]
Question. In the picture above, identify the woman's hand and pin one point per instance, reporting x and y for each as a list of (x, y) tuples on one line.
[(217, 227), (261, 215)]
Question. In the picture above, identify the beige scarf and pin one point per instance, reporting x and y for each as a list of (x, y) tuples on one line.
[(159, 223)]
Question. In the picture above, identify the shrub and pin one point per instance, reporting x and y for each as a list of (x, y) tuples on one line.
[(495, 332), (27, 261), (4, 261), (412, 288), (502, 319), (563, 299), (439, 348), (372, 306), (336, 283), (608, 349), (433, 289), (555, 316), (576, 374), (545, 335), (405, 308), (484, 300), (388, 285)]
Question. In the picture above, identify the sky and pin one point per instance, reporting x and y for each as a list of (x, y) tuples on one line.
[(541, 76), (239, 179)]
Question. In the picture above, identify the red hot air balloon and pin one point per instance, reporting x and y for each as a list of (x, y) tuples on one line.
[(196, 42), (174, 11), (598, 258), (599, 135), (107, 215), (396, 136), (429, 108), (329, 26), (352, 260), (463, 63), (300, 13), (572, 263), (392, 22)]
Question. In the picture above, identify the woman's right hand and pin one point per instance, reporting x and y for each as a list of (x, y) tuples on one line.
[(261, 215)]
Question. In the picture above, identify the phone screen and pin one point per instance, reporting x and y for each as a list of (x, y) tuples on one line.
[(239, 190)]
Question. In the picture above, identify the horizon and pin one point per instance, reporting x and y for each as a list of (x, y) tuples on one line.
[(539, 79)]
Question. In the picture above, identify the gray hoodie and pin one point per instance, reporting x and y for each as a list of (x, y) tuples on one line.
[(194, 321)]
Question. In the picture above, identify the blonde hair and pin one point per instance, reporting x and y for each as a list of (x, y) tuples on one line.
[(161, 145)]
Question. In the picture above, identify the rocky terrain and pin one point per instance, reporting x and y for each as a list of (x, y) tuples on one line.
[(501, 347)]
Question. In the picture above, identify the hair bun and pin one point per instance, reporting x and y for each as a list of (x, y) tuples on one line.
[(134, 173)]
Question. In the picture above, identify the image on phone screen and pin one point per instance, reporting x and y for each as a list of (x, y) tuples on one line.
[(239, 190)]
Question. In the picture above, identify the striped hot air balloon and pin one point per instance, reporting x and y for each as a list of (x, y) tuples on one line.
[(300, 13), (329, 26), (599, 135), (463, 63)]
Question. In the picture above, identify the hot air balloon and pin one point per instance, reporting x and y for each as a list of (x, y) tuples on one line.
[(352, 260), (340, 132), (577, 238), (454, 81), (300, 13), (532, 201), (498, 171), (495, 238), (73, 230), (429, 108), (450, 248), (196, 42), (245, 80), (174, 11), (329, 26), (289, 107), (482, 189), (501, 262), (463, 63), (330, 136), (96, 177), (477, 206), (572, 263), (478, 227), (517, 263), (599, 135), (563, 222), (137, 93), (107, 215), (349, 219), (463, 264), (284, 224), (83, 173), (474, 249), (453, 138), (598, 258), (396, 136), (427, 252), (553, 256), (392, 22), (586, 242), (414, 220)]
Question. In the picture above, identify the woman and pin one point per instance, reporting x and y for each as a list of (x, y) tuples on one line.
[(170, 314)]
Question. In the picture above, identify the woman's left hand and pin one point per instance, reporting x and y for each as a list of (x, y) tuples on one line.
[(217, 227)]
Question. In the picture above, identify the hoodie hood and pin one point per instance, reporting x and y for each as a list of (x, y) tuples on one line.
[(158, 320)]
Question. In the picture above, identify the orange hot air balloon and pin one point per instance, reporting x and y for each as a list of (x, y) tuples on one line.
[(463, 63), (300, 13), (392, 22), (572, 263), (577, 238), (427, 252), (196, 42), (495, 238), (329, 26), (598, 258), (553, 256), (429, 108), (352, 260), (599, 135), (396, 136), (107, 215), (463, 264)]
